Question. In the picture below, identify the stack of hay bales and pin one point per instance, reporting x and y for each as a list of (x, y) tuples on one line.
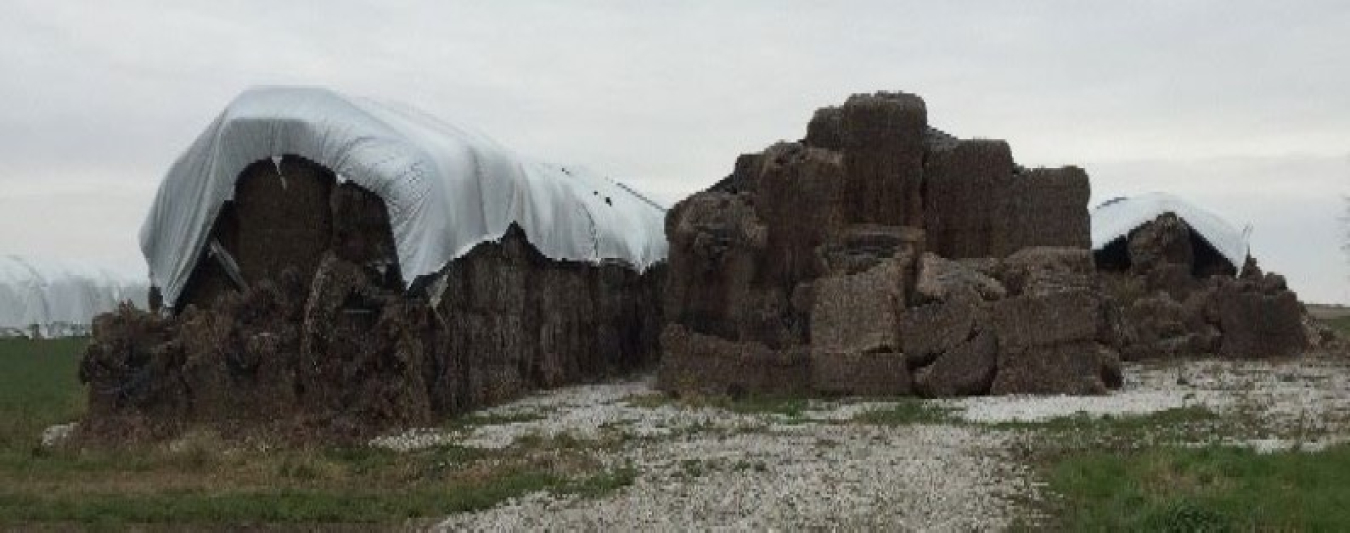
[(812, 268), (344, 289), (1179, 297)]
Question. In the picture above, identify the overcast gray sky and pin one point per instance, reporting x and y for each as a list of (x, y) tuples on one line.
[(1242, 106)]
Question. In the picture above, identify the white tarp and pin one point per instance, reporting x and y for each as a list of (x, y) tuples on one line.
[(61, 299), (446, 187), (1116, 218)]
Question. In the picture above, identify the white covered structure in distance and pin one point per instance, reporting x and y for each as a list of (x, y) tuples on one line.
[(446, 187), (1116, 218), (60, 299)]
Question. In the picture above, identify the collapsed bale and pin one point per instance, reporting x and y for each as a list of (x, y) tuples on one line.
[(1259, 320), (1165, 240), (860, 374), (967, 369), (1071, 368), (704, 364), (124, 369)]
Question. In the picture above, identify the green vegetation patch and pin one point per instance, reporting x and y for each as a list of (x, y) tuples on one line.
[(215, 482), (1340, 324), (300, 505), (284, 505), (39, 387), (1177, 422), (1214, 488), (909, 411)]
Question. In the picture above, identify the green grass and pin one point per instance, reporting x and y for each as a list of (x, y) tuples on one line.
[(284, 505), (473, 420), (1191, 424), (1171, 471), (300, 505), (1341, 325), (908, 411), (1212, 488), (201, 479), (39, 387)]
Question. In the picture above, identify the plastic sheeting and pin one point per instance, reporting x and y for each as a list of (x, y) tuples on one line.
[(61, 299), (1116, 218), (446, 187)]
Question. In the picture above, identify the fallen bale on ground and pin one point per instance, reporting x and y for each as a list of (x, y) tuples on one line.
[(1259, 318)]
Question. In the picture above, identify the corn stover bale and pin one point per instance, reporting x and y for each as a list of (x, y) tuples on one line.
[(705, 364), (965, 197), (1046, 207)]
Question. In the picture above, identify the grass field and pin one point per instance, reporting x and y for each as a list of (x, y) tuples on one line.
[(1214, 488), (1340, 324), (201, 480), (38, 387)]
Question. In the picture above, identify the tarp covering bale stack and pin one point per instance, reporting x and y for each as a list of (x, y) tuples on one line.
[(810, 268), (1187, 286), (314, 303)]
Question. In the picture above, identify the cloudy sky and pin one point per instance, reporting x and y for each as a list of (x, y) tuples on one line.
[(1241, 106)]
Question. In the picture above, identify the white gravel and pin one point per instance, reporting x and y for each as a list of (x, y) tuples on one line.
[(707, 468), (56, 435), (809, 475), (1311, 392), (701, 468)]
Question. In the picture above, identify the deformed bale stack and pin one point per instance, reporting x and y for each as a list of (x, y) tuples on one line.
[(1179, 297), (810, 268), (343, 350), (880, 256), (299, 316)]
